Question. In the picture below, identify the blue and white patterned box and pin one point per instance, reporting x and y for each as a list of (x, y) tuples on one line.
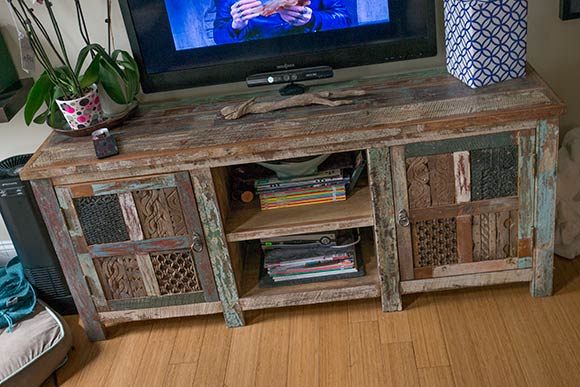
[(486, 40)]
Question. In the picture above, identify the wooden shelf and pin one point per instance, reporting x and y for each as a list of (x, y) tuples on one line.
[(254, 297), (251, 223)]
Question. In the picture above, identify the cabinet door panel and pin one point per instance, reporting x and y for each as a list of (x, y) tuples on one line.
[(144, 241), (464, 202)]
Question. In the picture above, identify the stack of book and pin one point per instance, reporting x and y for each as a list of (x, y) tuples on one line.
[(291, 262), (324, 187)]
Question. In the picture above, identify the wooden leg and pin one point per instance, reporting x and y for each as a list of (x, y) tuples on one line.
[(385, 236), (217, 247), (545, 198), (58, 231)]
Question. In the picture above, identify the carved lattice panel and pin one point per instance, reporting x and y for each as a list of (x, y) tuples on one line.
[(431, 181), (435, 242), (120, 277), (175, 272), (495, 236), (494, 173), (101, 219), (160, 213)]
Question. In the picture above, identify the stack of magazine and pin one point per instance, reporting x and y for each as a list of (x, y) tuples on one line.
[(310, 258), (327, 186)]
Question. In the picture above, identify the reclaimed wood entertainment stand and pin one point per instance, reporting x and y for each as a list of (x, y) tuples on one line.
[(460, 192)]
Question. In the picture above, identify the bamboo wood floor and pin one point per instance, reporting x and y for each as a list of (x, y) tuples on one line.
[(485, 337)]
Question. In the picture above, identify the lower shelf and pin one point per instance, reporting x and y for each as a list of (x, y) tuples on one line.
[(254, 297)]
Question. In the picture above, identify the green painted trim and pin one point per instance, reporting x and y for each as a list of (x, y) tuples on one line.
[(459, 144), (217, 247), (545, 214), (379, 161), (526, 156), (157, 302), (113, 188)]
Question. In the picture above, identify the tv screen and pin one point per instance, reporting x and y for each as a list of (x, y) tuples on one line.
[(187, 43)]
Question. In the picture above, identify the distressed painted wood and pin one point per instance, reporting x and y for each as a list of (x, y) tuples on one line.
[(545, 209), (473, 267), (141, 247), (503, 223), (380, 180), (79, 243), (57, 229), (161, 312), (401, 202), (123, 186), (462, 170), (148, 275), (466, 281), (209, 213), (160, 137), (471, 208), (527, 184), (459, 144), (157, 302), (194, 227)]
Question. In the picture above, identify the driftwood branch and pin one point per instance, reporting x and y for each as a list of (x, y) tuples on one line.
[(319, 98)]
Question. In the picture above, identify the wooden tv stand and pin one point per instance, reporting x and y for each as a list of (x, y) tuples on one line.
[(461, 192)]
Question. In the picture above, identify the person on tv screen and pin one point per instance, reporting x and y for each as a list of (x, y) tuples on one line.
[(241, 20)]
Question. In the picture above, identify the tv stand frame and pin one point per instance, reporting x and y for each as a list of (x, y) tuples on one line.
[(416, 129)]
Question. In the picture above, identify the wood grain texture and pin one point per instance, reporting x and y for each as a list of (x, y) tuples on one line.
[(57, 230), (441, 179), (405, 196), (464, 239), (161, 312), (462, 170), (526, 184), (385, 232), (417, 177), (471, 208), (199, 136), (464, 281), (209, 214), (249, 222), (545, 209), (473, 267), (194, 227), (531, 341)]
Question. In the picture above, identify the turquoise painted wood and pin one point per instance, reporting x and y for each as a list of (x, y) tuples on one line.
[(381, 186), (526, 192), (545, 198), (217, 247), (459, 144), (63, 245), (117, 187)]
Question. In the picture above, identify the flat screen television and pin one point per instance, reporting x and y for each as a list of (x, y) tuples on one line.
[(189, 43)]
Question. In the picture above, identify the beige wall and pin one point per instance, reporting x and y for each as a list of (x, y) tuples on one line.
[(553, 48)]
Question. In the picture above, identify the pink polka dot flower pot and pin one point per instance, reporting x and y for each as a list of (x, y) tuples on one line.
[(82, 112)]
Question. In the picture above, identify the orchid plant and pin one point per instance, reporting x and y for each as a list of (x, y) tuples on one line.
[(116, 71)]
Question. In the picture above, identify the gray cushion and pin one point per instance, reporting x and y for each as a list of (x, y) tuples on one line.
[(34, 349)]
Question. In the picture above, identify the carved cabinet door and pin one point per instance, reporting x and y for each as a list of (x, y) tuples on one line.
[(139, 241), (464, 205)]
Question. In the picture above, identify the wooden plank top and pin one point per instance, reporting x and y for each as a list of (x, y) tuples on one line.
[(186, 134)]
